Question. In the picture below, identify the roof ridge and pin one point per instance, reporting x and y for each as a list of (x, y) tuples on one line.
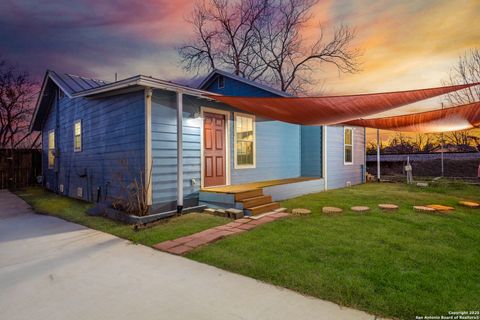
[(84, 78)]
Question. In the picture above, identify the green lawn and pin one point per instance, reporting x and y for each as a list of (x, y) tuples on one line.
[(398, 264), (72, 210)]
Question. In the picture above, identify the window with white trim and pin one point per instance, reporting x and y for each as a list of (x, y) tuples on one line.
[(51, 149), (244, 141), (77, 136), (348, 145)]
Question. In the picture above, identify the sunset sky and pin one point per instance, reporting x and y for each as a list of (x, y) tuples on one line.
[(406, 44)]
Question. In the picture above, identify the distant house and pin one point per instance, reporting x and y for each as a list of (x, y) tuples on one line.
[(99, 137)]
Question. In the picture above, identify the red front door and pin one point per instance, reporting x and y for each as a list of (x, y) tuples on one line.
[(214, 153)]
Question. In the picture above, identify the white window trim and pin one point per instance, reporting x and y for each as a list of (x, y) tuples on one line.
[(248, 166), (48, 149), (227, 142), (75, 149), (344, 145)]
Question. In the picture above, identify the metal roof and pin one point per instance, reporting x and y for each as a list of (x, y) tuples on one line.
[(144, 81), (73, 84), (76, 86), (212, 74)]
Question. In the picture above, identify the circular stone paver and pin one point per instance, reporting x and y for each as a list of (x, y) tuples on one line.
[(439, 207), (469, 204), (331, 210), (360, 208), (424, 209), (388, 206), (300, 211)]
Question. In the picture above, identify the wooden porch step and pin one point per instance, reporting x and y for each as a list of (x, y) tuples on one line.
[(263, 208), (256, 201), (248, 194)]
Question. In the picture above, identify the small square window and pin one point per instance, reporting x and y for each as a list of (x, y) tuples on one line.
[(221, 82)]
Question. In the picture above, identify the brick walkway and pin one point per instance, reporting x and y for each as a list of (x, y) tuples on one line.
[(185, 244)]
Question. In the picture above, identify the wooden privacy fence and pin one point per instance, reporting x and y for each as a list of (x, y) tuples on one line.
[(19, 168)]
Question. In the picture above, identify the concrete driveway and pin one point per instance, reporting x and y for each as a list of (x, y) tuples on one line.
[(53, 269)]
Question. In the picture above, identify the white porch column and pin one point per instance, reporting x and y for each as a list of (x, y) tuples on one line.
[(378, 154), (325, 157), (179, 151), (148, 145)]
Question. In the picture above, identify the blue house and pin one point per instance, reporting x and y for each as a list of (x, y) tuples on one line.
[(102, 139)]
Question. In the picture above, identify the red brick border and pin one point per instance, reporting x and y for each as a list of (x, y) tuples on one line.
[(186, 244)]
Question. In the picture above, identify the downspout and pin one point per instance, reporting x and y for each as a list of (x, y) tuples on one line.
[(148, 146), (179, 151), (325, 157)]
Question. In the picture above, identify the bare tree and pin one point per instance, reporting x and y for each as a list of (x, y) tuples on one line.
[(224, 36), (262, 40), (466, 71), (290, 59), (16, 108)]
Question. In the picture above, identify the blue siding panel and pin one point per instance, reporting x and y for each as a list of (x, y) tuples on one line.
[(311, 146), (113, 144), (277, 153), (339, 173), (237, 88)]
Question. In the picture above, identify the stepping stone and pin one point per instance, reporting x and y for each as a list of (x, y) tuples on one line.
[(209, 211), (388, 206), (221, 213), (424, 209), (422, 184), (301, 212), (331, 210), (439, 207), (469, 204), (360, 208), (235, 213), (259, 216)]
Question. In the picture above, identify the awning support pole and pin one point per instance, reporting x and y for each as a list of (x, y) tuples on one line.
[(325, 156), (378, 155), (441, 146), (179, 151)]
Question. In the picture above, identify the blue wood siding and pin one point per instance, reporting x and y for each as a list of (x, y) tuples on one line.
[(164, 150), (278, 149), (311, 148), (234, 87), (113, 144), (277, 152), (339, 173)]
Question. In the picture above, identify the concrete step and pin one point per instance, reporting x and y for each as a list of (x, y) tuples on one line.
[(248, 194), (256, 201), (262, 208)]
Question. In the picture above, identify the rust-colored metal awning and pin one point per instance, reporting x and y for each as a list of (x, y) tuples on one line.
[(331, 109), (450, 119)]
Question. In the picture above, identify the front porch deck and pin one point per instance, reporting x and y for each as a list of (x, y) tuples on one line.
[(239, 188), (259, 197)]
